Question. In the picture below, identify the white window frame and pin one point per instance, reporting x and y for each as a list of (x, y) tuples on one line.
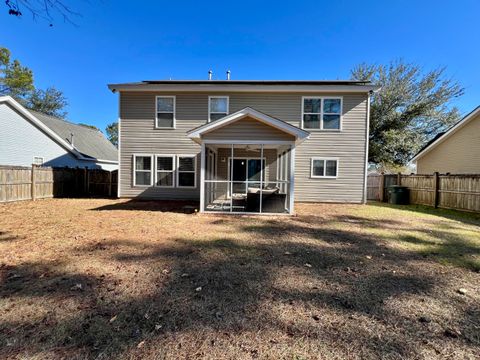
[(322, 98), (173, 171), (218, 97), (194, 171), (38, 157), (325, 159), (166, 112), (135, 169)]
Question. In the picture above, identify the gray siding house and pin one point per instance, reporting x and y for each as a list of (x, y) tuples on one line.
[(29, 137), (244, 146)]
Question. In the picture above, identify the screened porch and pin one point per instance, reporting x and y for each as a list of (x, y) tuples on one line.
[(247, 177)]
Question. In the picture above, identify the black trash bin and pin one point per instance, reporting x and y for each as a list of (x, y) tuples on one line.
[(398, 195)]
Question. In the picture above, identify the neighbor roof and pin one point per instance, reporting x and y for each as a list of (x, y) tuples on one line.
[(445, 135), (247, 85), (90, 142)]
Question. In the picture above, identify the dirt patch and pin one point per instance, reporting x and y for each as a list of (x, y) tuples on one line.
[(118, 279)]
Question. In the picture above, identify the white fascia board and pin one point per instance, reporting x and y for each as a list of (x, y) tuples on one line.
[(300, 134), (245, 88)]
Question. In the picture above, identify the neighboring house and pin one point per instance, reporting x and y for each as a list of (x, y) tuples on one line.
[(28, 137), (456, 151), (244, 146)]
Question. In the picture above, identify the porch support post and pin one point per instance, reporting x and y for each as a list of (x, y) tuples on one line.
[(202, 178), (292, 178)]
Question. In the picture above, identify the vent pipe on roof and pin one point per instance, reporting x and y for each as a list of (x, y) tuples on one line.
[(210, 72), (228, 74), (71, 139)]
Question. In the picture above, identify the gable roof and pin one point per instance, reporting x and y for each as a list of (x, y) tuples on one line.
[(300, 134), (88, 144), (439, 138)]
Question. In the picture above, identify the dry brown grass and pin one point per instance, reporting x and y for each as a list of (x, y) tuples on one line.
[(112, 279)]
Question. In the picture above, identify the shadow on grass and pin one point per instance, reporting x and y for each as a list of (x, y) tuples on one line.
[(174, 206), (219, 288)]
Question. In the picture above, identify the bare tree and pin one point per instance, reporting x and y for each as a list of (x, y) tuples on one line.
[(47, 10)]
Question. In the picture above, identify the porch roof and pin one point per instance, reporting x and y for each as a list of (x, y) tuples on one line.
[(248, 112)]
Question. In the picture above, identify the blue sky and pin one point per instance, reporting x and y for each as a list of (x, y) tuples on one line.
[(118, 41)]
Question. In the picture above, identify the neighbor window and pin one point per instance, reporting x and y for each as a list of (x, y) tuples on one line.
[(324, 168), (142, 175), (165, 170), (38, 160), (217, 107), (165, 112), (322, 113), (186, 171)]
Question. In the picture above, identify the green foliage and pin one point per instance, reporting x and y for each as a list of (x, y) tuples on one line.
[(89, 126), (411, 107), (17, 81), (112, 133), (50, 101)]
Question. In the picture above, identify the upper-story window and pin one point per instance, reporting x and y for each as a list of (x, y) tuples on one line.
[(165, 108), (217, 107), (322, 113)]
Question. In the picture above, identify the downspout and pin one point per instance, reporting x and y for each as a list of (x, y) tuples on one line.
[(367, 135)]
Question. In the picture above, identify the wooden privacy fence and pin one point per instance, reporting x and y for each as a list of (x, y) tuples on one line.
[(30, 183), (458, 191)]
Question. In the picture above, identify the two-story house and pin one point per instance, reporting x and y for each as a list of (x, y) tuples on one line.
[(244, 146)]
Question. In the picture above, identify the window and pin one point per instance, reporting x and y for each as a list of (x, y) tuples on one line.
[(165, 112), (324, 168), (186, 171), (165, 168), (38, 160), (217, 107), (322, 113), (142, 171)]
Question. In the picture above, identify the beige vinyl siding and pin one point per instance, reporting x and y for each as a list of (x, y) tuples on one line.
[(249, 129), (138, 135), (457, 154)]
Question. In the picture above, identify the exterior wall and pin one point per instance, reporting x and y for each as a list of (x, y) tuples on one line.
[(139, 136), (255, 130), (20, 141), (457, 154)]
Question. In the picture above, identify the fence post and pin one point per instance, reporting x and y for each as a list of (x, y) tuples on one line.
[(109, 184), (32, 193), (399, 179), (85, 180), (436, 188), (381, 187)]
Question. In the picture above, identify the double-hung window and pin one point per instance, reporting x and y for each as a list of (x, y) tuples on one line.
[(322, 113), (165, 112), (324, 168), (217, 107), (142, 170), (186, 171), (165, 170)]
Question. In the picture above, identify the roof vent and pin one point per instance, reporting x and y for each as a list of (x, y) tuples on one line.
[(210, 72), (71, 138), (228, 74)]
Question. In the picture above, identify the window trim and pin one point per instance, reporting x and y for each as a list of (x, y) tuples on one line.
[(325, 159), (173, 171), (322, 98), (38, 157), (218, 97), (165, 112), (135, 169), (194, 171)]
